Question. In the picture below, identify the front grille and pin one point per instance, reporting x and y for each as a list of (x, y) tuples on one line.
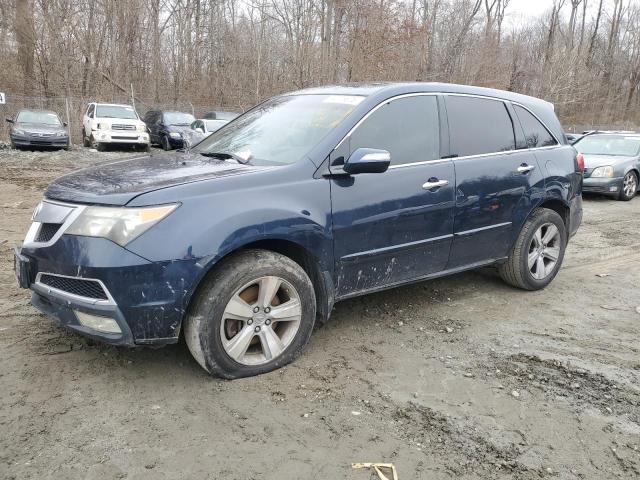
[(76, 286), (115, 137), (47, 231), (118, 126)]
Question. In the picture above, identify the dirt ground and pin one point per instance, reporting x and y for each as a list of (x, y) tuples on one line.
[(462, 377)]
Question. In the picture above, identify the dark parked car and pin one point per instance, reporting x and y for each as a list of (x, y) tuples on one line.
[(612, 163), (167, 128), (247, 240), (38, 128), (219, 115)]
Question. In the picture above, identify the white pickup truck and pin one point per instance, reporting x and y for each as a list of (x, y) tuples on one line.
[(107, 123)]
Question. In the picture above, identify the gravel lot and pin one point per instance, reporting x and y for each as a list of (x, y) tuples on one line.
[(462, 377)]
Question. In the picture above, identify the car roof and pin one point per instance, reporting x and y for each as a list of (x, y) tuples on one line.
[(398, 88), (113, 104)]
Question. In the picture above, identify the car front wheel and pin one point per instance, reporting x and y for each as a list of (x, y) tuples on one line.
[(253, 314), (538, 252), (629, 186), (166, 146)]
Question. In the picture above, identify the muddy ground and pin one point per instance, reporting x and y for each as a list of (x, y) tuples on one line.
[(462, 377)]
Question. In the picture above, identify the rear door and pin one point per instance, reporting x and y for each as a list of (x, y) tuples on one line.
[(394, 226), (496, 183)]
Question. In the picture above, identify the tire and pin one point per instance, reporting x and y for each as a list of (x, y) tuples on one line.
[(14, 146), (516, 271), (207, 322), (166, 146), (97, 145), (146, 148), (629, 186), (85, 141)]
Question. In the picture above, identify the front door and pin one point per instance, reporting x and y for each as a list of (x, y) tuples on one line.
[(496, 184), (394, 226)]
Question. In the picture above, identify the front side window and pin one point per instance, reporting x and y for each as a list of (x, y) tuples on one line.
[(116, 111), (178, 118), (478, 126), (408, 128), (535, 133), (90, 110), (44, 118), (213, 125), (281, 130), (614, 145)]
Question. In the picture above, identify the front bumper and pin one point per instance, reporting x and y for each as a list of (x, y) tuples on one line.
[(606, 186), (38, 141), (114, 136), (146, 299)]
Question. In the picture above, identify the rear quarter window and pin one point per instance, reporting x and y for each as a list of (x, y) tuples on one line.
[(535, 133), (478, 126)]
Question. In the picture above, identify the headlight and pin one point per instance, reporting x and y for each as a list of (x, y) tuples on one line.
[(606, 171), (103, 126), (141, 128), (18, 131), (121, 224), (175, 135), (61, 134)]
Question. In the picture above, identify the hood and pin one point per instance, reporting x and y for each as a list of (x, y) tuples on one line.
[(118, 183), (178, 128), (39, 127), (593, 161)]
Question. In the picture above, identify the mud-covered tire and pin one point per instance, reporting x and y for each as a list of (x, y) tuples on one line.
[(202, 328), (516, 271), (633, 179)]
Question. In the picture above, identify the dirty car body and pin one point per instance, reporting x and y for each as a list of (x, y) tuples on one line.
[(445, 208), (38, 128)]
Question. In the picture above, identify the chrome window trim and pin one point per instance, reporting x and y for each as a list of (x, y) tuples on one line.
[(93, 301), (481, 229), (30, 238), (442, 160)]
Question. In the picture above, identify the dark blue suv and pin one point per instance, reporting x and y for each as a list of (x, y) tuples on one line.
[(246, 241)]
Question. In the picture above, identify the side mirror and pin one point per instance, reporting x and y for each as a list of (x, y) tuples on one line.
[(367, 160), (9, 120), (64, 124)]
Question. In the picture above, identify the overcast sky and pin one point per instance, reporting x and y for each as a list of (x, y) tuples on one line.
[(528, 7)]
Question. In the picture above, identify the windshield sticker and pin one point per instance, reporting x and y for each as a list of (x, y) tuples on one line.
[(344, 99)]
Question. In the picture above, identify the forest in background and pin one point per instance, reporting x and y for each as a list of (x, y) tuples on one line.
[(582, 55)]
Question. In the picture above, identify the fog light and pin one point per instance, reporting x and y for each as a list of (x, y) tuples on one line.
[(103, 136), (96, 322), (613, 189)]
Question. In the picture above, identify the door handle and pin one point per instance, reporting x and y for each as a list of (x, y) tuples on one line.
[(435, 184), (525, 168)]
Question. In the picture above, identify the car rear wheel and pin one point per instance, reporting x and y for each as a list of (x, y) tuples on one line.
[(629, 186), (253, 314), (538, 252)]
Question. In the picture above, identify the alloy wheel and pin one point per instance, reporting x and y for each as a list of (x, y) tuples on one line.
[(544, 251), (630, 184), (260, 320)]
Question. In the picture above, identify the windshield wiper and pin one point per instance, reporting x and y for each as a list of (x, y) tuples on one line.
[(225, 156)]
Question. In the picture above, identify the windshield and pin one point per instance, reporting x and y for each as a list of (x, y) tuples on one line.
[(116, 111), (616, 145), (281, 130), (178, 118), (38, 117), (213, 125)]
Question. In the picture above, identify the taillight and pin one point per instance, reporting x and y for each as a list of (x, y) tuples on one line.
[(580, 161)]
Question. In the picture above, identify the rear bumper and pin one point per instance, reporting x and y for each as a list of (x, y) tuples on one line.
[(606, 186)]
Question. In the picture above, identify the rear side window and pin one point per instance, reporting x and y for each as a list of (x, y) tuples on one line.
[(479, 125), (407, 128), (534, 132)]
